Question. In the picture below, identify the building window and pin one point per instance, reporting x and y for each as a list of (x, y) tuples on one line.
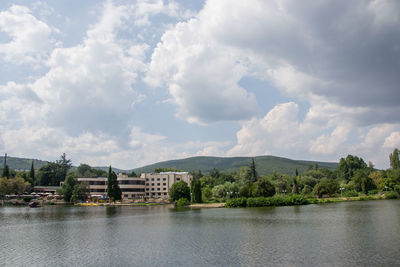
[(165, 194), (178, 179), (164, 179), (158, 179), (158, 184), (125, 196), (152, 189), (147, 184), (165, 189), (164, 184), (158, 189), (152, 184), (159, 194), (147, 194), (152, 179), (147, 179)]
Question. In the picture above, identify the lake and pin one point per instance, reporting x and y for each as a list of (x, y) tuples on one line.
[(360, 233)]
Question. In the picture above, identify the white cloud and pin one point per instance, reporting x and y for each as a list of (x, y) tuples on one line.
[(392, 141), (31, 39)]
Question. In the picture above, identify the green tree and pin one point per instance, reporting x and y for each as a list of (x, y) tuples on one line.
[(252, 175), (68, 186), (214, 173), (4, 187), (326, 187), (113, 190), (53, 173), (219, 191), (263, 188), (206, 193), (6, 172), (347, 167), (32, 174), (196, 192), (394, 159), (295, 186), (80, 193), (179, 190), (247, 190), (362, 182), (83, 169)]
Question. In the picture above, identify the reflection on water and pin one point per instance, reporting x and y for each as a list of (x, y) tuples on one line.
[(342, 234)]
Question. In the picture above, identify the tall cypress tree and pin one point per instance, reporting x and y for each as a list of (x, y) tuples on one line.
[(252, 175), (394, 159), (113, 190), (6, 172), (32, 174)]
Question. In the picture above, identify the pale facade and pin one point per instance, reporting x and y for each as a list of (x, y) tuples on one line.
[(148, 185), (158, 184)]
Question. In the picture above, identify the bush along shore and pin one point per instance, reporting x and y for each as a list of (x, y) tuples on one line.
[(295, 200)]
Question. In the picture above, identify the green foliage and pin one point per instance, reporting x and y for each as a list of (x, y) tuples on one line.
[(32, 174), (182, 202), (392, 195), (236, 202), (267, 201), (113, 191), (350, 193), (326, 187), (247, 190), (206, 193), (84, 170), (373, 192), (179, 190), (67, 187), (263, 188), (347, 167), (251, 175), (394, 159), (80, 193), (132, 174), (27, 199), (13, 186), (6, 172), (363, 183), (53, 173), (196, 192)]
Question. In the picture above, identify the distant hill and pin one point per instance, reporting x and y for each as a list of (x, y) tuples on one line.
[(21, 163), (265, 164)]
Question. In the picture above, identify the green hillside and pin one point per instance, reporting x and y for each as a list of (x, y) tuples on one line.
[(21, 163), (265, 164)]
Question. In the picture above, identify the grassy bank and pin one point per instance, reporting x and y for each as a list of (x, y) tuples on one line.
[(294, 200)]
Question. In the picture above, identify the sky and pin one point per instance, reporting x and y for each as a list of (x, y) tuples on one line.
[(130, 83)]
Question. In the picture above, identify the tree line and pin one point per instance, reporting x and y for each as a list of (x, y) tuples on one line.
[(352, 177)]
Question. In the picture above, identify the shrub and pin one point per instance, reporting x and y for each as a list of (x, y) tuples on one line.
[(392, 195), (182, 202), (296, 200), (350, 193), (373, 192), (27, 199), (236, 202)]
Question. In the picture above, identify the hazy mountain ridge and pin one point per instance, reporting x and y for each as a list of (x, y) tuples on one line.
[(265, 164)]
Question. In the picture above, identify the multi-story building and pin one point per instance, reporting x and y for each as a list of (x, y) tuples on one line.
[(158, 184), (148, 185)]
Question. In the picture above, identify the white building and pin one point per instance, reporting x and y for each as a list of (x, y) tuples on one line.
[(148, 185)]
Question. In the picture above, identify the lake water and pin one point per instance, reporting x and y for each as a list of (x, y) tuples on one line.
[(363, 233)]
